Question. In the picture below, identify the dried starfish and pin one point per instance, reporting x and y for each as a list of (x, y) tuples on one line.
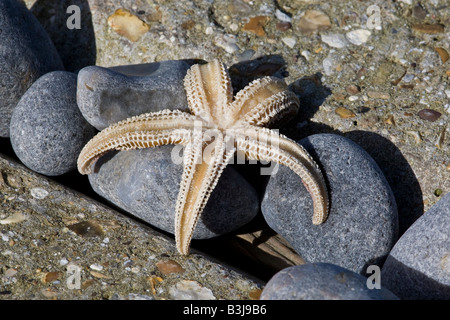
[(217, 128)]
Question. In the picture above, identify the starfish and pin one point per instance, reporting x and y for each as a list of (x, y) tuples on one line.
[(217, 127)]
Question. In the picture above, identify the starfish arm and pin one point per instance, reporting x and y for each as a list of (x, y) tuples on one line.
[(263, 102), (200, 176), (264, 144), (143, 131), (208, 90)]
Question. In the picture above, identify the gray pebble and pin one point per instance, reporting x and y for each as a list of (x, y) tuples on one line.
[(26, 53), (108, 95), (145, 183), (362, 224), (321, 281), (47, 128), (418, 266)]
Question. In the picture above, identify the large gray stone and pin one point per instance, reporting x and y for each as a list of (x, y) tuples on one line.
[(145, 183), (47, 128), (321, 281), (362, 224), (418, 266), (108, 95), (26, 53)]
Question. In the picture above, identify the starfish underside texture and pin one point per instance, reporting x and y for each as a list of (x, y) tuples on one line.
[(217, 127)]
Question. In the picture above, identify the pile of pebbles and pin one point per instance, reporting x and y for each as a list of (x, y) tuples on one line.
[(50, 114)]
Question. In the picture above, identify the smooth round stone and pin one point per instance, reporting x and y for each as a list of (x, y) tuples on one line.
[(26, 53), (109, 95), (362, 224), (47, 128), (145, 183), (418, 266), (321, 281)]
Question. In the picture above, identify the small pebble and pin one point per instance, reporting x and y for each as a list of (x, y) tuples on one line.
[(306, 54), (429, 114), (440, 139), (378, 95), (227, 42), (96, 267), (447, 93), (169, 266), (190, 290), (87, 229), (345, 113), (127, 24), (390, 120), (188, 25), (39, 193), (50, 293), (283, 26), (334, 40), (289, 41), (51, 276), (9, 273), (135, 270), (408, 77), (328, 66), (353, 89), (362, 109), (428, 28), (358, 37), (234, 27), (63, 262), (407, 86), (282, 16), (419, 12), (14, 218), (256, 24), (246, 55), (99, 275), (442, 53)]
